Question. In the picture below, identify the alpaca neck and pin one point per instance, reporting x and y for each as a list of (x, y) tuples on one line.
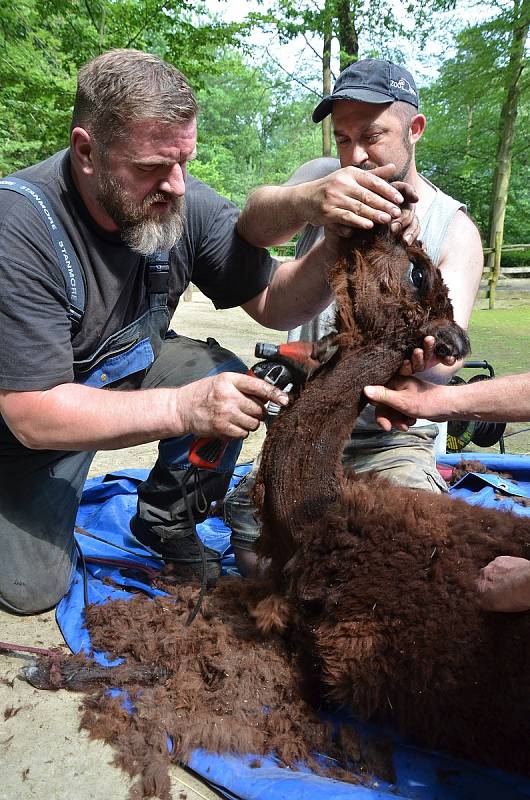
[(301, 469)]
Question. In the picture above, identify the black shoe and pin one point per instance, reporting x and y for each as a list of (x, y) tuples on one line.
[(182, 548)]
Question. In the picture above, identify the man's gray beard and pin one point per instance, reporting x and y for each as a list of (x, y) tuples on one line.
[(143, 234), (147, 236)]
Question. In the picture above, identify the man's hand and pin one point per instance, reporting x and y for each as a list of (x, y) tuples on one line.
[(353, 198), (423, 359), (504, 584), (399, 403), (408, 223), (229, 404)]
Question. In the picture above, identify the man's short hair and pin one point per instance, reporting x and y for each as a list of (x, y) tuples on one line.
[(405, 112), (121, 86)]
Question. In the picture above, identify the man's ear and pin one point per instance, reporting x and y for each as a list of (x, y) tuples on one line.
[(417, 127), (82, 150)]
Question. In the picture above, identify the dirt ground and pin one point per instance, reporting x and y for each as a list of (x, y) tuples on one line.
[(42, 753)]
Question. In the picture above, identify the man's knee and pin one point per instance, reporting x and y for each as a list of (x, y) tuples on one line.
[(34, 593), (406, 459), (182, 361)]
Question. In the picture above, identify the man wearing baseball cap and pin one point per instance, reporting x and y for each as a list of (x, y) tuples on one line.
[(376, 124)]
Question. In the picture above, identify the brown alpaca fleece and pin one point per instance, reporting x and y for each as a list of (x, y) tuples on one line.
[(376, 580), (219, 685), (385, 584), (469, 465)]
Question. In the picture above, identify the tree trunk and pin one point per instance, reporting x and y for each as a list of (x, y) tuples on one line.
[(512, 89), (326, 86), (470, 112), (348, 39)]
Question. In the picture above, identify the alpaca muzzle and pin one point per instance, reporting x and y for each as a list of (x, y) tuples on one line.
[(450, 340)]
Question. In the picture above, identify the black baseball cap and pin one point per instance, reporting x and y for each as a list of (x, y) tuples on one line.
[(370, 81)]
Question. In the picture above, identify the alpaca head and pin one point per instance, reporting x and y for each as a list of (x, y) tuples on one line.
[(389, 292)]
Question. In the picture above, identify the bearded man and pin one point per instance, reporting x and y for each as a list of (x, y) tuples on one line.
[(99, 242)]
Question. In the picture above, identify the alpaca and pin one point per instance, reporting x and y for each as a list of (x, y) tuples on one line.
[(377, 581), (389, 297)]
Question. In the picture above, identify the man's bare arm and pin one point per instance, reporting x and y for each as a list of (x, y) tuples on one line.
[(403, 400), (298, 290), (345, 199), (75, 417)]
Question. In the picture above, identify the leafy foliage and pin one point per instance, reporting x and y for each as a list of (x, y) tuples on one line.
[(253, 129), (255, 124), (43, 42), (463, 108)]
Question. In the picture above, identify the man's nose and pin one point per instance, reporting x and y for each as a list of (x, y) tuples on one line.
[(358, 155), (173, 181)]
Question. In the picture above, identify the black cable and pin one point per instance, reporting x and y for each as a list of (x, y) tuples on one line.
[(84, 532), (514, 433), (201, 501)]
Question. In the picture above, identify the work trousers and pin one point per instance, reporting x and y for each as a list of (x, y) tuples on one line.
[(40, 490)]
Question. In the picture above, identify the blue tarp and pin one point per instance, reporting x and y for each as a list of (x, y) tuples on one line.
[(107, 505)]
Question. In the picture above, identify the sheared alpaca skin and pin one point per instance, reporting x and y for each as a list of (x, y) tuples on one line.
[(379, 579)]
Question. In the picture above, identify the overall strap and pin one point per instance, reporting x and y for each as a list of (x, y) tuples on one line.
[(68, 262), (157, 276)]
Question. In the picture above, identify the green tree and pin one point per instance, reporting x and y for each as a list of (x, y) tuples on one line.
[(347, 21), (465, 109), (518, 19), (43, 42), (253, 128)]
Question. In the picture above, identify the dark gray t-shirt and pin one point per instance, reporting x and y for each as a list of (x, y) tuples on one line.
[(36, 348)]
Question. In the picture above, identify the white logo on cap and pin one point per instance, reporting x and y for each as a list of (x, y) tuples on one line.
[(403, 85)]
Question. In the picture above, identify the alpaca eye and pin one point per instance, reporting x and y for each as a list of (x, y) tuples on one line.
[(415, 275)]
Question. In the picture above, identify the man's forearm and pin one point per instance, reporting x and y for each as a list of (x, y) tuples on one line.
[(338, 201), (504, 399), (75, 417), (271, 216), (500, 400), (297, 292)]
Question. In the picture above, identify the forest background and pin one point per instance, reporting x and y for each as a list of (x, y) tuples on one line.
[(256, 102)]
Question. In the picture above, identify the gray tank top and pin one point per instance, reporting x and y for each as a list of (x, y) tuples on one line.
[(433, 228)]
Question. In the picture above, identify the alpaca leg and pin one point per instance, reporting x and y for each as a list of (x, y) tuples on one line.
[(352, 655)]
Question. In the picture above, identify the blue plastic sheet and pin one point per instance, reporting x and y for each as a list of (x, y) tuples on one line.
[(107, 505), (494, 491)]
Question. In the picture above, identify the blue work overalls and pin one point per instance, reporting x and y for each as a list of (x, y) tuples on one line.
[(40, 490)]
